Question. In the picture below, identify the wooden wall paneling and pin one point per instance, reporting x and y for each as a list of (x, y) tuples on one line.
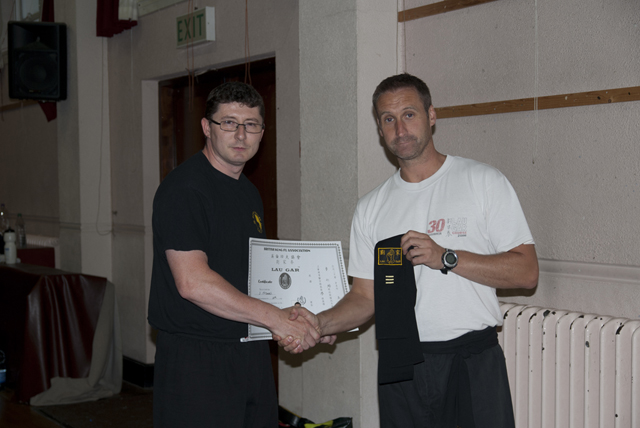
[(606, 96), (437, 8), (21, 104)]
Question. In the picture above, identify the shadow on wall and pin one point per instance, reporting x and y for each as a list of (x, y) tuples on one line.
[(516, 292), (297, 360)]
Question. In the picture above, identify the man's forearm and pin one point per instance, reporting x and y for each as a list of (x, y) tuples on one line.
[(517, 268), (353, 310), (200, 285)]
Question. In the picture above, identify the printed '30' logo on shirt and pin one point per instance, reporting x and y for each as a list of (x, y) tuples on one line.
[(456, 227), (436, 227), (257, 221)]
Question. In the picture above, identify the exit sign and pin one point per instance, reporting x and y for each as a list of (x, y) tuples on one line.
[(196, 27)]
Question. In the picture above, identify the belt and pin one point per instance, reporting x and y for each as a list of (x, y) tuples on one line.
[(458, 409)]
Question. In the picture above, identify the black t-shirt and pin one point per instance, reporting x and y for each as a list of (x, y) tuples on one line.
[(197, 207)]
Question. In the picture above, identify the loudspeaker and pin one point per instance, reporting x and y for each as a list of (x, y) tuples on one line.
[(37, 61)]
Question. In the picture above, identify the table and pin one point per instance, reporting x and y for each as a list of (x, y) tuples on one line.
[(37, 255), (61, 335)]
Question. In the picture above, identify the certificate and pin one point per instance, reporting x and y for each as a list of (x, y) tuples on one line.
[(282, 273)]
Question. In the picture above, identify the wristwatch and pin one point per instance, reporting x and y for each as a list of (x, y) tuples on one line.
[(449, 261)]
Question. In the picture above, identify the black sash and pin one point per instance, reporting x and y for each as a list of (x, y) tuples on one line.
[(395, 300), (458, 411)]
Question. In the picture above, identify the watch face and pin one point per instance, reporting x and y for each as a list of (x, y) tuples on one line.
[(450, 258)]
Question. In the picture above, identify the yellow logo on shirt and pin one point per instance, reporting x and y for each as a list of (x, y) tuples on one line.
[(389, 256), (257, 221)]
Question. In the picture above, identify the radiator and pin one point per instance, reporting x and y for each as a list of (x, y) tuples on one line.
[(46, 241), (571, 370)]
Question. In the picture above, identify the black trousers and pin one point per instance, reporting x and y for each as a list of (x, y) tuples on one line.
[(419, 402), (213, 384)]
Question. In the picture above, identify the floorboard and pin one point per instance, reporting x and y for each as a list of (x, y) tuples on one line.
[(132, 408), (16, 415)]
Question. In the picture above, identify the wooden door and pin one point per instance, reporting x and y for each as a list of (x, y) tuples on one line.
[(182, 107)]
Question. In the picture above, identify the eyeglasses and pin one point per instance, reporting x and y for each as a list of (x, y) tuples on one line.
[(231, 126)]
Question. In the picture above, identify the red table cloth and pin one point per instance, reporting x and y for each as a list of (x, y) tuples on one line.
[(48, 320)]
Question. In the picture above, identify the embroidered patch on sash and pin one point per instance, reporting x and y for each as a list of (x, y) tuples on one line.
[(390, 256)]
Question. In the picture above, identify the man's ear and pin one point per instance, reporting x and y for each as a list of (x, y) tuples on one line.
[(432, 115), (205, 127)]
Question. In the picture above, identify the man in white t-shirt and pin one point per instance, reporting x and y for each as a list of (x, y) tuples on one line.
[(459, 223)]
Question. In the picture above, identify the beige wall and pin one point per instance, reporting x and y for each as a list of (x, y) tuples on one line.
[(576, 170), (28, 164), (345, 50), (29, 167)]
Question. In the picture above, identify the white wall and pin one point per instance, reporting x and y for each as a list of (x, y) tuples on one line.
[(576, 170), (346, 48), (325, 384), (29, 167)]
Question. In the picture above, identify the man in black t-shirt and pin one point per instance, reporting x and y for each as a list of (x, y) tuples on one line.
[(204, 213)]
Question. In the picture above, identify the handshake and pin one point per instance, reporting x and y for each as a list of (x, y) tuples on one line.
[(300, 331)]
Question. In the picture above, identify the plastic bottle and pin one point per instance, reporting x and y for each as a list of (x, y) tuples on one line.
[(10, 253), (21, 234), (4, 221), (3, 370)]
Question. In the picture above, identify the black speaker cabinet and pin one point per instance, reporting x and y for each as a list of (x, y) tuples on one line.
[(37, 61)]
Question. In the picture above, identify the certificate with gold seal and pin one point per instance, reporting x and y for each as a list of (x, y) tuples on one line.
[(283, 273)]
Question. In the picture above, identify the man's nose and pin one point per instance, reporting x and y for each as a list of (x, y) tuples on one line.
[(241, 131)]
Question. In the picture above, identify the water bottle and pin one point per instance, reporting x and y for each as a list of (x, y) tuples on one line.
[(10, 253), (4, 221), (3, 370), (4, 225), (21, 235)]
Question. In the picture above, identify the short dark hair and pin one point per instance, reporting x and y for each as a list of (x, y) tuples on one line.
[(233, 92), (401, 81)]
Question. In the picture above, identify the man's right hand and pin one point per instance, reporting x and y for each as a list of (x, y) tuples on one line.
[(294, 346), (353, 310), (302, 331)]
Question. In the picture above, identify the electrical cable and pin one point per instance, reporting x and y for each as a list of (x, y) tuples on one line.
[(108, 232), (535, 89), (401, 48), (190, 59), (4, 36), (247, 53)]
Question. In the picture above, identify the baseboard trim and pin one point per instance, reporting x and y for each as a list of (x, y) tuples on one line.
[(591, 271), (137, 373)]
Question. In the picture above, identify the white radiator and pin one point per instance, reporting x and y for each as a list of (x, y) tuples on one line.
[(571, 370), (46, 241)]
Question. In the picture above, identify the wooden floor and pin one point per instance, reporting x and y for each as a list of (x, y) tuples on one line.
[(131, 408), (16, 415)]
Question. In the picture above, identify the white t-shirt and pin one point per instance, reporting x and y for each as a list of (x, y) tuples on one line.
[(465, 205)]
